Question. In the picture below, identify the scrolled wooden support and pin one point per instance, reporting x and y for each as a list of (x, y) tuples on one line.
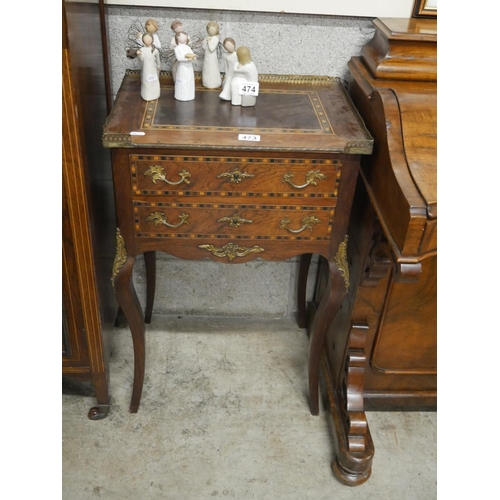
[(351, 396), (356, 431), (354, 448)]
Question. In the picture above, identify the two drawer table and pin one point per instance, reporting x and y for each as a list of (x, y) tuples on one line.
[(206, 179)]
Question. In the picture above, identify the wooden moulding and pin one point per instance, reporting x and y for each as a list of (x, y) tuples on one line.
[(396, 54)]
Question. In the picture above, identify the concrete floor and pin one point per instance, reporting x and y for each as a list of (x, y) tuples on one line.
[(224, 414)]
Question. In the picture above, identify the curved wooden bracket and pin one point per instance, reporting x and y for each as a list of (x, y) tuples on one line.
[(381, 258)]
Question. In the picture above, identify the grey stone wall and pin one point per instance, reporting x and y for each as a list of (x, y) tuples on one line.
[(280, 44)]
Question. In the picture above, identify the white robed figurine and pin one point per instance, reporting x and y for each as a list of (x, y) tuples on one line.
[(150, 69), (184, 76), (177, 27), (230, 59), (211, 78), (244, 71)]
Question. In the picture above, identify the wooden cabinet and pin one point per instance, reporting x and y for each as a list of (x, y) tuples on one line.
[(88, 216), (381, 350)]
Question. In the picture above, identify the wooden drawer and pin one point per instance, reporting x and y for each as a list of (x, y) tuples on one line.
[(234, 176), (156, 220)]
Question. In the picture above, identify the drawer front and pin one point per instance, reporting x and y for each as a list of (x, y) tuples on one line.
[(227, 176), (164, 220)]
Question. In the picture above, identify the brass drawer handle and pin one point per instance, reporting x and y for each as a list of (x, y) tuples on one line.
[(235, 220), (231, 250), (235, 176), (311, 177), (159, 218), (307, 223), (157, 173)]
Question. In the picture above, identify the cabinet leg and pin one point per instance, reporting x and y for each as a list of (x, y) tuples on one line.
[(150, 262), (328, 307), (305, 262), (131, 307), (98, 412), (101, 386)]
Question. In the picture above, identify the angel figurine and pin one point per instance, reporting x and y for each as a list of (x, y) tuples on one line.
[(244, 71), (184, 76), (211, 78), (177, 28), (135, 33), (152, 28), (150, 69), (230, 59)]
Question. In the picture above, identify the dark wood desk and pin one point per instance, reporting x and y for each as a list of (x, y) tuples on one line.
[(185, 184), (381, 349)]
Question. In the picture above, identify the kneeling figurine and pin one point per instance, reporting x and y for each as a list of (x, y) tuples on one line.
[(244, 72)]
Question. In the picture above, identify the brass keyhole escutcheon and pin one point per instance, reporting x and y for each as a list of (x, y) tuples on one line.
[(235, 176), (235, 220)]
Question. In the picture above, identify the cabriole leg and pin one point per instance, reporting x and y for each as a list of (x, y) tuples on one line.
[(327, 309), (131, 307)]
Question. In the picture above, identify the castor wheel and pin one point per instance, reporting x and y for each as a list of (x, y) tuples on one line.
[(97, 413)]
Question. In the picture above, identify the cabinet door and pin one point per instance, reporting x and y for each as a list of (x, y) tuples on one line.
[(73, 342), (88, 221)]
